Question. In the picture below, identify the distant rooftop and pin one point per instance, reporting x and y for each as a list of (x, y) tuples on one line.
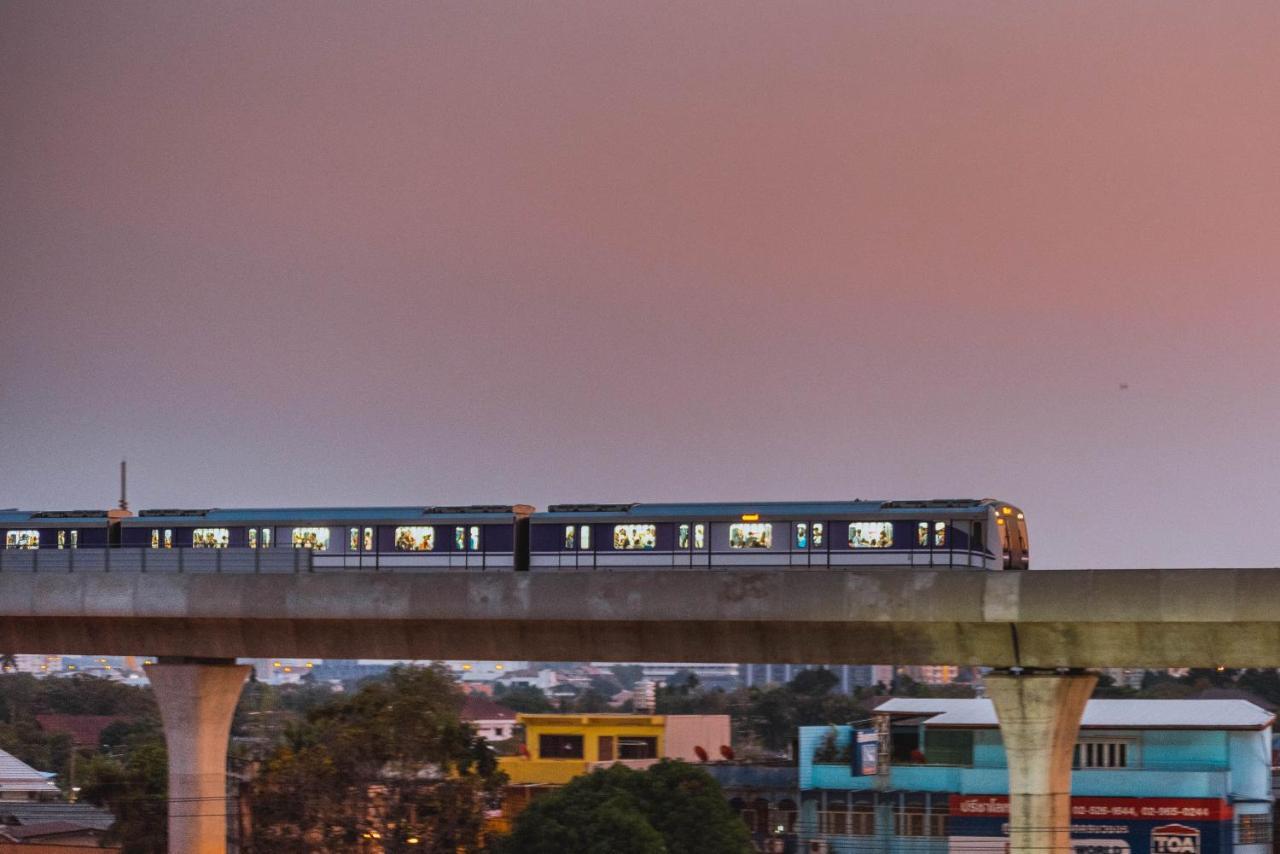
[(1098, 714)]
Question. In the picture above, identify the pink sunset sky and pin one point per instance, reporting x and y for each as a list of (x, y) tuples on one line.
[(308, 254)]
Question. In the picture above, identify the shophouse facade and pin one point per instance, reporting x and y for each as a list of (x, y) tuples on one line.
[(1151, 777)]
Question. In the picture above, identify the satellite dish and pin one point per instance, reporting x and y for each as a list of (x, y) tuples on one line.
[(700, 752), (726, 751)]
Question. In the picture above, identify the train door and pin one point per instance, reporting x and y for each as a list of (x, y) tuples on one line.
[(584, 556), (467, 551), (360, 547), (801, 540)]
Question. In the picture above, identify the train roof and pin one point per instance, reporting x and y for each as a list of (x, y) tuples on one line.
[(53, 518), (799, 509), (437, 513)]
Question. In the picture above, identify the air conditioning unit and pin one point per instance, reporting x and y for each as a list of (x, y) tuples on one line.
[(818, 846)]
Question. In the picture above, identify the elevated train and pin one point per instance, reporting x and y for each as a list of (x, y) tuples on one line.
[(953, 533)]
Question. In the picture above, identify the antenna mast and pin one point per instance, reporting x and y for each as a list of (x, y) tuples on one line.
[(124, 500)]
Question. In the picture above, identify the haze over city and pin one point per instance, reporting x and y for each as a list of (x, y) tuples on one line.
[(567, 252)]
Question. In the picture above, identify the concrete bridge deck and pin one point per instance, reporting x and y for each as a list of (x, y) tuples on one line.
[(1073, 618)]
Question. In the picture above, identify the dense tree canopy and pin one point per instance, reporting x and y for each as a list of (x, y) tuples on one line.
[(392, 762), (671, 808)]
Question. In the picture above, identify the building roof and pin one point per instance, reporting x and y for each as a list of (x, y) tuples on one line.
[(478, 707), (16, 775), (33, 812), (47, 828), (85, 730), (1098, 714)]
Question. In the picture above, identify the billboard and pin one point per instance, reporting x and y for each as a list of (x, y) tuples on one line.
[(978, 824), (866, 753)]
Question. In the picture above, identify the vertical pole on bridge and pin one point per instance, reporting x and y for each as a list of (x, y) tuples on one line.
[(197, 698), (1039, 714)]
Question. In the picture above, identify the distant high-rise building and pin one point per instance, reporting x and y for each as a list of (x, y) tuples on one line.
[(850, 676)]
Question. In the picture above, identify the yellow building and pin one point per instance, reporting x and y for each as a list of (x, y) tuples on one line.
[(560, 747)]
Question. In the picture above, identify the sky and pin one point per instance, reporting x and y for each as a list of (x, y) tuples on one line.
[(339, 254)]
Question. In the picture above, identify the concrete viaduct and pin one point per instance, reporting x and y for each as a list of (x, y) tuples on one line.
[(1039, 629)]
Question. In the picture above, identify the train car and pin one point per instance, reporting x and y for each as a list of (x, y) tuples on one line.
[(56, 529), (961, 533), (439, 537)]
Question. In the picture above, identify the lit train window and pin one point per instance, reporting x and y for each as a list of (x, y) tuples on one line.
[(210, 538), (253, 538), (316, 539), (635, 536), (475, 538), (870, 535), (939, 533), (584, 537), (460, 538), (353, 539), (922, 534), (368, 539), (266, 538), (751, 535), (568, 536), (75, 539), (155, 538), (62, 539), (22, 540), (802, 535), (817, 534), (699, 536), (168, 538), (683, 538), (416, 538)]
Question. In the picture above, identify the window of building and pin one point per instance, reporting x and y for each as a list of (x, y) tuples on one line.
[(560, 747), (1109, 753), (637, 747), (802, 535), (631, 537), (817, 534), (870, 535), (751, 535), (604, 748), (948, 747), (416, 538), (316, 539), (210, 538), (682, 538), (569, 541), (22, 540), (699, 536), (1253, 829)]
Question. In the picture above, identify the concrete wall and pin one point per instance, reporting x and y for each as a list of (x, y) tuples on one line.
[(1085, 618), (684, 732)]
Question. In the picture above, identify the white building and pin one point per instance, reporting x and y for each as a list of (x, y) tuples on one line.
[(20, 782)]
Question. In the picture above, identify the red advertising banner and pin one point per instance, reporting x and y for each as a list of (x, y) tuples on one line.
[(1134, 809)]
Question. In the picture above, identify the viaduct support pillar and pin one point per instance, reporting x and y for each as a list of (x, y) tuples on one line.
[(197, 698), (1039, 713)]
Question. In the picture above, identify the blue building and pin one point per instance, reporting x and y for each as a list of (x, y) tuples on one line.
[(1151, 777)]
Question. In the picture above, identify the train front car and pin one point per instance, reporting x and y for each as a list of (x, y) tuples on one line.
[(873, 534), (54, 539), (335, 538)]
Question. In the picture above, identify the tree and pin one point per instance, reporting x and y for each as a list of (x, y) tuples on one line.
[(671, 808), (392, 762), (135, 791)]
